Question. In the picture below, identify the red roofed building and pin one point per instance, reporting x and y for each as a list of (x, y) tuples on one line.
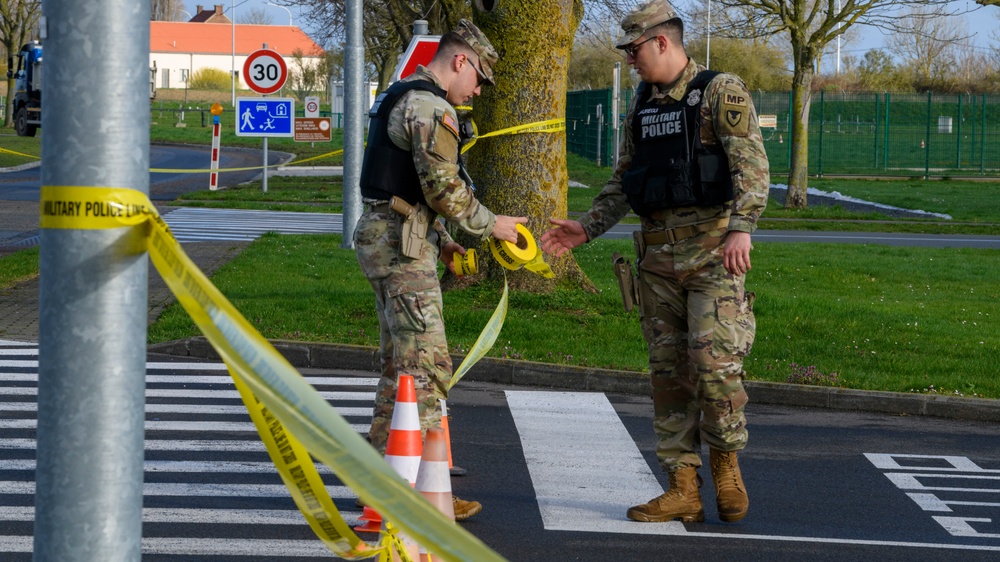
[(180, 49)]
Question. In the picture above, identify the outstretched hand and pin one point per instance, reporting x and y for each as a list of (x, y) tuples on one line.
[(567, 234)]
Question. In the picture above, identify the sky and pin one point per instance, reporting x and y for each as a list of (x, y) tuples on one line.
[(279, 15), (980, 22)]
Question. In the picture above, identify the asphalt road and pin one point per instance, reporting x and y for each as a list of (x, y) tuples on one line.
[(24, 185), (555, 472)]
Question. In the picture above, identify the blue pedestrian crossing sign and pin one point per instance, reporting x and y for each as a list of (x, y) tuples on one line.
[(265, 117)]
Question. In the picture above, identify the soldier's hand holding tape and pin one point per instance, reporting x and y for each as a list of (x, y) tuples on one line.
[(448, 252), (506, 227)]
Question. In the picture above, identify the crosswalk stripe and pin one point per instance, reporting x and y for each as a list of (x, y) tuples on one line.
[(186, 409), (191, 224), (198, 393), (235, 467), (583, 488), (217, 379), (216, 426), (189, 515), (213, 490), (272, 548), (224, 446)]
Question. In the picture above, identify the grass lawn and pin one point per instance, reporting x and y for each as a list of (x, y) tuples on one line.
[(881, 318)]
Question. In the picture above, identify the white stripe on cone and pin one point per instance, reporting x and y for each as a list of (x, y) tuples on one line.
[(405, 417)]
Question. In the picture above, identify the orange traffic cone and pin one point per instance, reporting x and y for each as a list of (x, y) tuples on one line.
[(433, 479), (402, 451), (452, 469)]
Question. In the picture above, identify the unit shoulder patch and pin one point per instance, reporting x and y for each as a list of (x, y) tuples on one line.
[(734, 115)]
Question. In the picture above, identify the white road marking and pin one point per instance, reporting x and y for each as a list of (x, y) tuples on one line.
[(908, 481), (200, 393), (269, 548), (187, 515), (215, 409), (186, 489), (887, 461), (583, 488), (200, 425)]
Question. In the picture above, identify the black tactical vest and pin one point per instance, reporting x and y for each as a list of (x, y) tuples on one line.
[(388, 170), (671, 167)]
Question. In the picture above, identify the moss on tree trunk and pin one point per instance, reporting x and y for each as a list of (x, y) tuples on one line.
[(525, 174)]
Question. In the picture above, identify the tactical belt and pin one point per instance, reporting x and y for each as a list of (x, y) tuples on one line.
[(377, 206), (674, 235)]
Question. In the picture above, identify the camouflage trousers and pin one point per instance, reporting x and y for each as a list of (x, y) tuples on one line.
[(411, 325), (698, 323)]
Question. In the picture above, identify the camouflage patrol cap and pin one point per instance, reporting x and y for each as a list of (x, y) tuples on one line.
[(643, 17), (481, 45)]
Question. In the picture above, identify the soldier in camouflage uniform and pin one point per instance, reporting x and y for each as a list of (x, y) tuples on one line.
[(693, 168), (413, 154)]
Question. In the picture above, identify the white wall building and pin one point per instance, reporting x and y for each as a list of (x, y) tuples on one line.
[(179, 49)]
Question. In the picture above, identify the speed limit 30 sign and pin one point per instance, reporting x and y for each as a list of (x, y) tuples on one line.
[(265, 71)]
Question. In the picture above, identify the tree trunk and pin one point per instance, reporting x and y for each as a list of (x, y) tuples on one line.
[(798, 172), (525, 174)]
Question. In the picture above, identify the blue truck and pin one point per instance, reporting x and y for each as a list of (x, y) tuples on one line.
[(27, 99)]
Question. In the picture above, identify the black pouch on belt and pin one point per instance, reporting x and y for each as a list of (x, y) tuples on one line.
[(626, 281)]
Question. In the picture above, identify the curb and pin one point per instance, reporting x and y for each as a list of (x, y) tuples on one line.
[(528, 373)]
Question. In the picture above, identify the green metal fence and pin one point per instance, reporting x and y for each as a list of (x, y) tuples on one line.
[(927, 135)]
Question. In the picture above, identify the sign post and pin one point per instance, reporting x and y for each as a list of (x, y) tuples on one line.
[(265, 72)]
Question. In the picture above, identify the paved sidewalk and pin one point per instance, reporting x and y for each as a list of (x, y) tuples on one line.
[(19, 304)]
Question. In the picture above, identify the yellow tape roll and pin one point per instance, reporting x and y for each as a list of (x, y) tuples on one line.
[(467, 264), (514, 256)]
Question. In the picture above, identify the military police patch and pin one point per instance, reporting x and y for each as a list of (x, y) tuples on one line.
[(694, 97), (735, 118)]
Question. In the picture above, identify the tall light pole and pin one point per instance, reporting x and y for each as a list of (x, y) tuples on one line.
[(838, 39), (708, 37), (285, 9), (232, 73)]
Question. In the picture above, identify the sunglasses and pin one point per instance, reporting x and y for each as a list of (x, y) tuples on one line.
[(633, 50), (482, 77)]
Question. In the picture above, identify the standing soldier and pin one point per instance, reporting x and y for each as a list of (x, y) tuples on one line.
[(693, 168), (411, 174)]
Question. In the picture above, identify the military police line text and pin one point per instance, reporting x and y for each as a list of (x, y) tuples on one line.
[(91, 209)]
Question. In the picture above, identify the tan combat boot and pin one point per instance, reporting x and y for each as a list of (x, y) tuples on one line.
[(681, 501), (465, 509), (730, 493)]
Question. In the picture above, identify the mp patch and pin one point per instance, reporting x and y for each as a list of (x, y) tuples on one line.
[(735, 112)]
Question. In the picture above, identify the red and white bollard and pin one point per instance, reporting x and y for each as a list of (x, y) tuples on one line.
[(213, 182)]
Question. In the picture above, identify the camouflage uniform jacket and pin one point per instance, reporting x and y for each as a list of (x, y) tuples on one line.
[(725, 96), (427, 126)]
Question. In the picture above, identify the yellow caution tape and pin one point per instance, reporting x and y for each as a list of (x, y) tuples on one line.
[(550, 126), (291, 417), (523, 253), (15, 153), (244, 169), (486, 338), (513, 256), (467, 264)]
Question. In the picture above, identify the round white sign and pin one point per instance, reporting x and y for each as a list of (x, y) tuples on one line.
[(265, 71)]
